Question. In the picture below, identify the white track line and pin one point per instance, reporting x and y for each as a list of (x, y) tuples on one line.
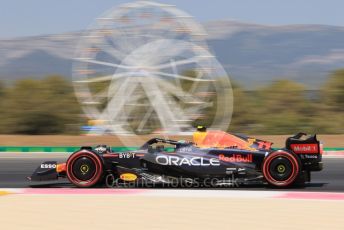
[(178, 193)]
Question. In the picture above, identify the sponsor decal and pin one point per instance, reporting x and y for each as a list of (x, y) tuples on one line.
[(304, 148), (100, 149), (264, 145), (185, 149), (250, 142), (126, 155), (128, 177), (230, 171), (238, 170), (238, 158), (48, 166), (311, 156), (194, 161)]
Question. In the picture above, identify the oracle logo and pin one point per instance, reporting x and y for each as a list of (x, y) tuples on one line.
[(194, 161)]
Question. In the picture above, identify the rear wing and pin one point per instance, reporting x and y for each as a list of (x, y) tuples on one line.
[(302, 143)]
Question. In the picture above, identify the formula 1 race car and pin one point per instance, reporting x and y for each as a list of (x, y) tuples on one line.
[(213, 156)]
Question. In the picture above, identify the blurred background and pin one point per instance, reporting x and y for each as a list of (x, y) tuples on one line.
[(285, 61)]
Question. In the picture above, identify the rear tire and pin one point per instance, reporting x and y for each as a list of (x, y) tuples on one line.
[(84, 169), (281, 168)]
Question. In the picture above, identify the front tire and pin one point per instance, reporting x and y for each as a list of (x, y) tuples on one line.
[(84, 169), (281, 168)]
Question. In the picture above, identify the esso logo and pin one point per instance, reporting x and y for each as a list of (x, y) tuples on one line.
[(48, 166)]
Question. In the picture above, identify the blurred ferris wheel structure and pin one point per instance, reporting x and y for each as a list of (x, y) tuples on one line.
[(144, 67)]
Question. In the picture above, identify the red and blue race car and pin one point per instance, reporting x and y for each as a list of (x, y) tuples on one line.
[(214, 157)]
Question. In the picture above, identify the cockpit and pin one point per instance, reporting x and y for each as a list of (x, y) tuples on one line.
[(208, 139), (160, 145)]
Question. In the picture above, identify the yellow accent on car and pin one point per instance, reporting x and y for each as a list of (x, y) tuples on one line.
[(128, 177), (198, 137), (84, 169)]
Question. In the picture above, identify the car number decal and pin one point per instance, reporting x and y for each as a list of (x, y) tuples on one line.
[(126, 155)]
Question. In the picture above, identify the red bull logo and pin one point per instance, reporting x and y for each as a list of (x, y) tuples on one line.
[(237, 158)]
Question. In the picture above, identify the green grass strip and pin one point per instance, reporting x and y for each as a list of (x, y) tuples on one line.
[(70, 149)]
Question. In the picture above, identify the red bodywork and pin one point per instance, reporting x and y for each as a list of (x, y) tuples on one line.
[(220, 139)]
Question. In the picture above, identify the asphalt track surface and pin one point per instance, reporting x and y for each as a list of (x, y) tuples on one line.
[(15, 167)]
